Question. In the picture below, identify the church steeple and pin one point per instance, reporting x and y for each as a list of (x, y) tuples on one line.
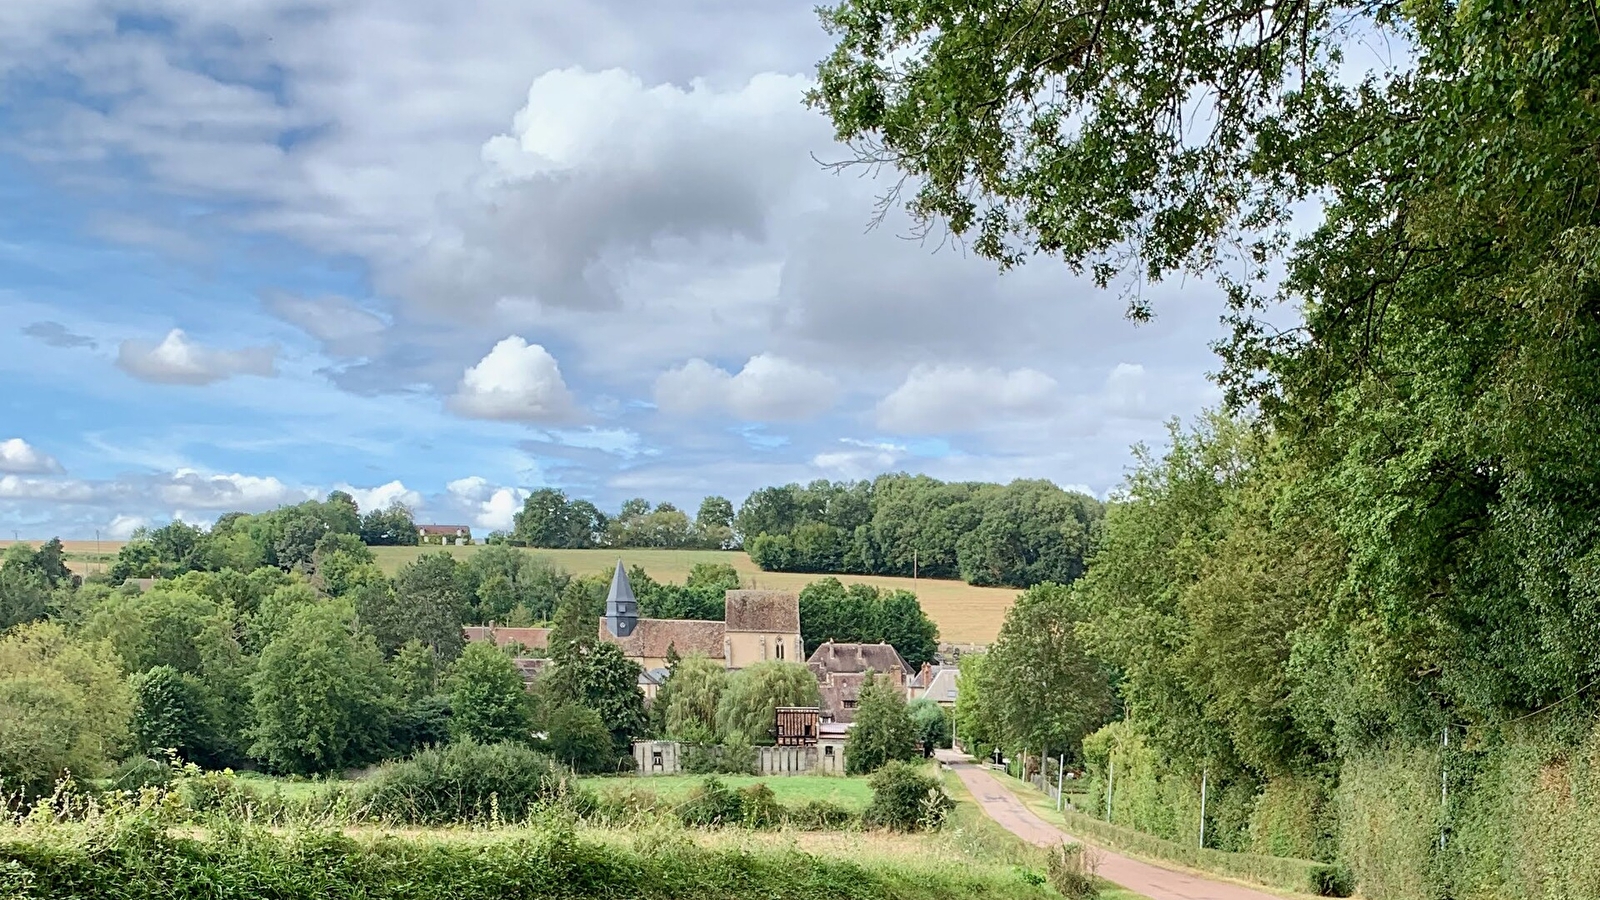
[(622, 608)]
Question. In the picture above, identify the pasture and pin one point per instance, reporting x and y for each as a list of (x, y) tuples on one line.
[(791, 790), (964, 614)]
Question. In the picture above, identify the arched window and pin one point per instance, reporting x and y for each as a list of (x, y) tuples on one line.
[(778, 644)]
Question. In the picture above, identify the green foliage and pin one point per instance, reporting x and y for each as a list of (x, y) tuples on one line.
[(930, 721), (63, 708), (427, 604), (488, 702), (577, 736), (1070, 872), (905, 797), (321, 697), (883, 730), (687, 702), (26, 579), (172, 712), (749, 706), (414, 671), (599, 677), (1043, 690), (549, 519), (866, 614), (462, 783), (392, 527)]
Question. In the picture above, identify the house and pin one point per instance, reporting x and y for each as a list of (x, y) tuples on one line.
[(444, 535), (797, 726), (757, 626), (936, 683), (841, 671), (528, 638)]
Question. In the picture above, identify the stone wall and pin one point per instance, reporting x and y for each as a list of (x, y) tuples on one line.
[(825, 758)]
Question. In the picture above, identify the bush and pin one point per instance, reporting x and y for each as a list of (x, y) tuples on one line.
[(906, 798), (759, 807), (578, 737), (464, 782), (736, 756), (1072, 873), (141, 772), (711, 804), (820, 815)]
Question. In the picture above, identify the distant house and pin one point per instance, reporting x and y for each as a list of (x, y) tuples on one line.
[(757, 626), (444, 535), (531, 638), (936, 683), (841, 670)]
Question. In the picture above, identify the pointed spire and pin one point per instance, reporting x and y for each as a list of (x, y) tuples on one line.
[(622, 608)]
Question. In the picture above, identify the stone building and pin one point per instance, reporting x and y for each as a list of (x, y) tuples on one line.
[(841, 670), (757, 626)]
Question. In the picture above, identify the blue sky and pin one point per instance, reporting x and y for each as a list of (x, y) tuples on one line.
[(447, 253)]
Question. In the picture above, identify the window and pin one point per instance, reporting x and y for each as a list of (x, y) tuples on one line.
[(778, 646), (655, 759), (849, 704), (808, 729), (828, 750)]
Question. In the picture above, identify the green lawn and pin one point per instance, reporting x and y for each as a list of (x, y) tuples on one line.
[(791, 790)]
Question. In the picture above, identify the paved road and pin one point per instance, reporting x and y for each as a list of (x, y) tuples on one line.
[(1152, 881)]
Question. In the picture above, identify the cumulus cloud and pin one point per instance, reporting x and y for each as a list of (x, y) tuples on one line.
[(950, 399), (494, 508), (189, 488), (47, 490), (122, 527), (344, 327), (22, 458), (516, 381), (862, 459), (383, 496), (179, 360), (57, 335), (768, 389)]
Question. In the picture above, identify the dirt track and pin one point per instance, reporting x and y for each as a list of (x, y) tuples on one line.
[(1152, 881)]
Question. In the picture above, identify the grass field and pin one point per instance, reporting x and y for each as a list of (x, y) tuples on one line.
[(964, 614), (790, 790)]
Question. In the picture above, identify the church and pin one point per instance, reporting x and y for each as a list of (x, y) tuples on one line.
[(757, 626)]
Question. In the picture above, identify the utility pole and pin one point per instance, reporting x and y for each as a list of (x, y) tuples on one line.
[(1444, 787), (1061, 766), (1111, 781), (913, 571), (1203, 774)]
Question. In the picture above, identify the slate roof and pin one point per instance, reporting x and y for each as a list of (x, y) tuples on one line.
[(621, 589), (443, 529), (769, 611), (832, 658), (652, 637)]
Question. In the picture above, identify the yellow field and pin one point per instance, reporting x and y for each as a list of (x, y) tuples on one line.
[(964, 614)]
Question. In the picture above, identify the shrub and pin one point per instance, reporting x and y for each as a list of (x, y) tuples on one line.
[(1072, 872), (906, 798), (464, 782), (820, 815), (884, 730), (141, 772), (578, 737), (759, 807), (736, 756), (710, 804)]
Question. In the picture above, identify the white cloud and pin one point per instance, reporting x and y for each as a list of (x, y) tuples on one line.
[(516, 381), (864, 459), (46, 490), (178, 360), (188, 488), (768, 389), (493, 508), (122, 527), (951, 399), (383, 496), (20, 457)]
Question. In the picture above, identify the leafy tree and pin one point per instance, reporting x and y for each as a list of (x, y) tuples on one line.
[(24, 594), (687, 702), (883, 730), (162, 627), (976, 716), (50, 560), (63, 707), (713, 524), (577, 736), (300, 532), (427, 604), (321, 698), (342, 515), (171, 711), (596, 675), (392, 527), (931, 721), (1051, 693), (906, 797), (748, 709), (577, 618), (866, 614), (549, 519), (488, 702), (414, 671)]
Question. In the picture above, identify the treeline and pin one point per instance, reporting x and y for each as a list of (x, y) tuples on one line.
[(1014, 535), (551, 520)]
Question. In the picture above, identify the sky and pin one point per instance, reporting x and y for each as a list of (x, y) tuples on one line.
[(447, 253)]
